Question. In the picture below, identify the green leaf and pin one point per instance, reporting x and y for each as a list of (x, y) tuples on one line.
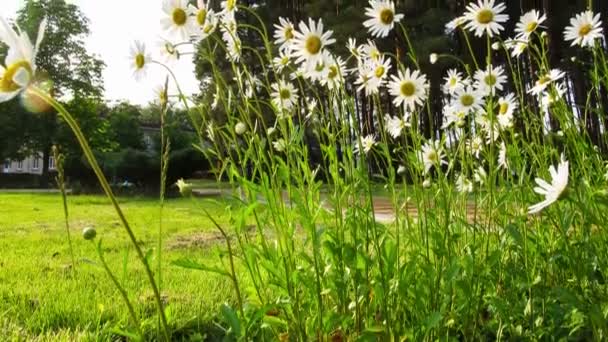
[(232, 319), (194, 265)]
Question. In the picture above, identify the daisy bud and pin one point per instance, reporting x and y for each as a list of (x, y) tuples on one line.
[(496, 46), (89, 233), (573, 59), (426, 183), (544, 34), (270, 130), (401, 169), (433, 58), (240, 128), (185, 189)]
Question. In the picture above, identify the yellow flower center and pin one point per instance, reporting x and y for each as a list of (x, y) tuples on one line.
[(140, 61), (585, 29), (179, 17), (387, 16), (433, 156), (531, 27), (485, 16), (380, 71), (453, 82), (313, 44), (490, 79), (289, 33), (6, 83), (467, 100), (408, 88), (208, 28), (320, 67), (333, 72), (544, 80), (201, 17), (285, 60), (504, 107), (285, 94), (230, 4)]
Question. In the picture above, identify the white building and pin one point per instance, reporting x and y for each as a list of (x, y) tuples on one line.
[(29, 165)]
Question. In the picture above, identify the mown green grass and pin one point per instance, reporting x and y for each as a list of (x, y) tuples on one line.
[(43, 298)]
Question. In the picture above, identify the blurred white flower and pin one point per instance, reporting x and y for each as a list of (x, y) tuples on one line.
[(506, 107), (517, 46), (431, 155), (502, 157), (20, 62), (395, 125), (409, 89), (463, 184), (549, 97), (426, 183), (552, 191), (401, 169), (528, 23), (584, 29), (433, 58), (178, 20), (480, 175), (383, 17), (485, 17), (468, 100), (279, 145), (168, 51), (367, 143), (545, 80), (475, 146), (455, 23), (139, 60)]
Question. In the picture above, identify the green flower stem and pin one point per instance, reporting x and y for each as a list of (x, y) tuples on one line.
[(108, 190), (123, 292)]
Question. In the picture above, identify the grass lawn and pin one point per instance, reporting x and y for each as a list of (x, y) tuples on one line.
[(43, 298)]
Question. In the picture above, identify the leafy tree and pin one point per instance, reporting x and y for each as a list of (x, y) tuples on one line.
[(62, 59)]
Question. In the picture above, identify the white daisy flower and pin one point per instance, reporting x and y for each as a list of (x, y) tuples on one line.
[(431, 155), (354, 49), (490, 80), (467, 99), (168, 51), (506, 107), (502, 157), (229, 7), (282, 61), (366, 143), (454, 115), (140, 59), (490, 127), (528, 23), (367, 81), (370, 51), (455, 23), (309, 41), (485, 17), (383, 17), (161, 97), (409, 89), (584, 29), (211, 23), (20, 62), (179, 20), (395, 125), (200, 13), (453, 82), (480, 175), (517, 46), (463, 184), (550, 97), (552, 191), (284, 95), (284, 33), (380, 67), (475, 146), (336, 69), (544, 81), (279, 145)]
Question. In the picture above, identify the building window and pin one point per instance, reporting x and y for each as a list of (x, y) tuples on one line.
[(36, 163), (7, 165), (20, 165), (51, 163)]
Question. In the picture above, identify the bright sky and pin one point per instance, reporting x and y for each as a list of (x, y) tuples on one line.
[(115, 24)]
